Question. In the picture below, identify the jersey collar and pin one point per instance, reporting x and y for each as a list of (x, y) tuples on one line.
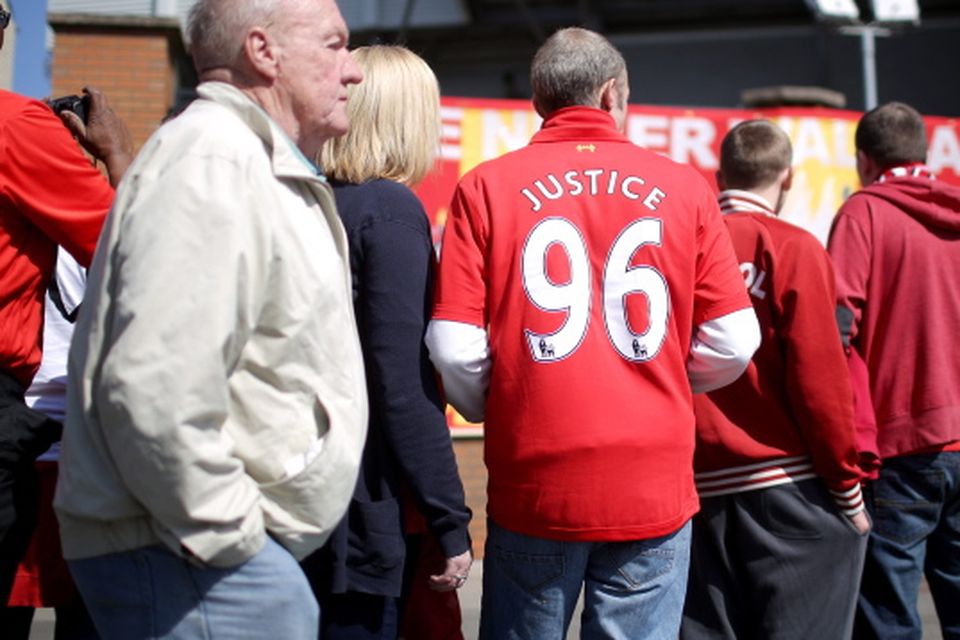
[(739, 201), (585, 124)]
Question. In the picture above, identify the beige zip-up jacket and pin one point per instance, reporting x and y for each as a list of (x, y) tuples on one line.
[(216, 386)]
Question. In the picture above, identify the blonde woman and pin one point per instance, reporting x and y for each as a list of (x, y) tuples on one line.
[(391, 145)]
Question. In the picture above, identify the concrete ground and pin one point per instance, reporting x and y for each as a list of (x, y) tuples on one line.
[(470, 604)]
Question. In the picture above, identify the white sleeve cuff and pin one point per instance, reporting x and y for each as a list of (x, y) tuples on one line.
[(461, 354), (721, 350), (850, 502)]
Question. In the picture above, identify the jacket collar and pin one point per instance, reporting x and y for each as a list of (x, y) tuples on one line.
[(286, 158), (739, 201), (579, 123)]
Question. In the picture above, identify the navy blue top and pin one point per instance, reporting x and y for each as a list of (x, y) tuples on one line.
[(408, 443)]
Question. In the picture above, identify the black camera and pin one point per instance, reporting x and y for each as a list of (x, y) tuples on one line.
[(80, 105)]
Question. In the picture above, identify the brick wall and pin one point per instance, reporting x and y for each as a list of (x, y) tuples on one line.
[(134, 65), (469, 453)]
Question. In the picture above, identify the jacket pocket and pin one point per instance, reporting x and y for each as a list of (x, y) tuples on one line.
[(787, 513), (301, 511)]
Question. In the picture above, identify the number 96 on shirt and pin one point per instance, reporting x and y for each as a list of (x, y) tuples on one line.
[(620, 279)]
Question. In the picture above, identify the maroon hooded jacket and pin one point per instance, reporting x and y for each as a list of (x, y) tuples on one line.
[(896, 251)]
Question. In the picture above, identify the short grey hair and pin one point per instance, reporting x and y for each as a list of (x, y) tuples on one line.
[(570, 68), (216, 29)]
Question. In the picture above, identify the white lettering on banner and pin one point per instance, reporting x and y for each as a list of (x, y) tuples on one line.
[(691, 140), (843, 150), (753, 279), (944, 150), (620, 279), (685, 139), (809, 142), (597, 181), (649, 132), (507, 131)]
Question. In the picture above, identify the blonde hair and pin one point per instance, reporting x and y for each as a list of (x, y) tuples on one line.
[(394, 120)]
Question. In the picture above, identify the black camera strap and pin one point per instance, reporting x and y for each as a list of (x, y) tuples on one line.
[(53, 290)]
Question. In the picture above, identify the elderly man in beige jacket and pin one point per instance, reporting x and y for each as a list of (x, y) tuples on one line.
[(217, 403)]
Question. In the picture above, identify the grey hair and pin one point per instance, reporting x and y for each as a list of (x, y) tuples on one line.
[(216, 28), (570, 68)]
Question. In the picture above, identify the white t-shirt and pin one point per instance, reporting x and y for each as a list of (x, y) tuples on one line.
[(48, 391)]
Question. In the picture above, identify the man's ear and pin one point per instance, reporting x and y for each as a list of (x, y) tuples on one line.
[(610, 96), (262, 53), (539, 108), (867, 169), (787, 179)]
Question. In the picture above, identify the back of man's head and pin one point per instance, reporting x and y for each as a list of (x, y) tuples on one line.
[(216, 30), (570, 68), (754, 154), (892, 134)]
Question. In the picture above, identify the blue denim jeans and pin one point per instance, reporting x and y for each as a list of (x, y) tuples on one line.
[(915, 506), (151, 593), (632, 590)]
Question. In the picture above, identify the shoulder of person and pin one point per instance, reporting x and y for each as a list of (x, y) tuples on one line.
[(856, 207), (206, 123), (792, 240), (24, 113), (380, 201), (13, 104)]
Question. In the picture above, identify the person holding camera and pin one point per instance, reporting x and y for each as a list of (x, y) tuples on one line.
[(50, 195)]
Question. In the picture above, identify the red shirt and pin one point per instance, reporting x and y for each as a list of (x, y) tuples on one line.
[(50, 194), (590, 261), (789, 417)]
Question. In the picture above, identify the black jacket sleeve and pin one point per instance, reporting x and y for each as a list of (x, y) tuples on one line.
[(393, 268)]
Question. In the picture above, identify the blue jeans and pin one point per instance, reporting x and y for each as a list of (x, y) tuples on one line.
[(151, 593), (632, 590), (915, 506)]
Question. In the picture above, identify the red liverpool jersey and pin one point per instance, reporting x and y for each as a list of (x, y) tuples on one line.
[(789, 417), (590, 261)]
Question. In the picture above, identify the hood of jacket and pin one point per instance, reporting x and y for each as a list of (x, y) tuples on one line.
[(934, 203)]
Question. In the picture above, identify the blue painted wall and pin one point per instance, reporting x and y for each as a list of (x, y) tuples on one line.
[(31, 60)]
